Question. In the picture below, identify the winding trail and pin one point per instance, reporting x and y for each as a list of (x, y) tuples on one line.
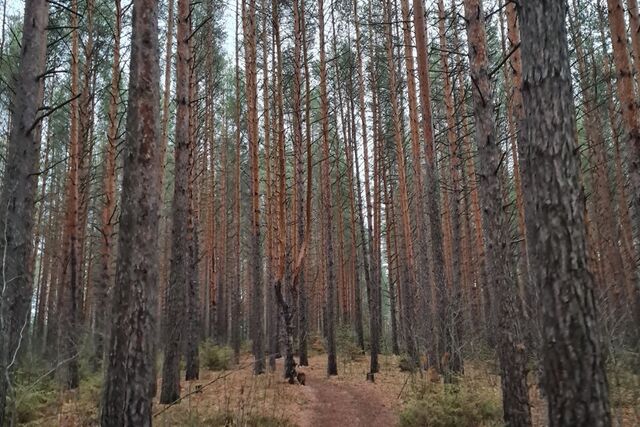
[(335, 403)]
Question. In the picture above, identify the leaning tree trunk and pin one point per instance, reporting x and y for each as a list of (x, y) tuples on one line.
[(17, 200), (575, 379), (129, 379)]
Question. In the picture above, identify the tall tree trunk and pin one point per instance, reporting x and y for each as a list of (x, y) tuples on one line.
[(129, 379), (479, 290), (575, 379), (192, 303), (68, 345), (164, 220), (255, 258), (271, 302), (303, 326), (236, 308), (222, 308), (392, 260), (300, 250), (407, 239), (631, 122), (19, 186), (431, 179), (513, 79), (370, 268), (500, 269), (624, 220), (181, 238), (607, 230), (634, 30), (108, 211), (85, 134), (357, 220), (327, 205), (166, 97), (453, 342)]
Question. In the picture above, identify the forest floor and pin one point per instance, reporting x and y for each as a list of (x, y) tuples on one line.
[(345, 400), (239, 398), (236, 397)]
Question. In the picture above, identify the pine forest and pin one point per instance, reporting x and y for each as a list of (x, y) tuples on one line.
[(320, 213)]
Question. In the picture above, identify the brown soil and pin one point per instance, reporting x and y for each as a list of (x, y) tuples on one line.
[(334, 402)]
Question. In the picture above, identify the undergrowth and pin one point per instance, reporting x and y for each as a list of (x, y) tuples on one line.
[(466, 403), (346, 344), (214, 357)]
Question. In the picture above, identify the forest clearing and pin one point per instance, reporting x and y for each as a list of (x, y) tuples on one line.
[(320, 213)]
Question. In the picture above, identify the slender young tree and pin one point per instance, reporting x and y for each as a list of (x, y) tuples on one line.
[(236, 308), (251, 91), (69, 296), (327, 204), (452, 341), (181, 237), (303, 315), (108, 211)]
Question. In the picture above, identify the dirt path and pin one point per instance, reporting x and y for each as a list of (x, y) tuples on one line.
[(336, 403)]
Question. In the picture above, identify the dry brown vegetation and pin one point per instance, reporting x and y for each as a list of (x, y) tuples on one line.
[(235, 397)]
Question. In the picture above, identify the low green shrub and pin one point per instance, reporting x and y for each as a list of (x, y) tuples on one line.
[(215, 357), (346, 344), (452, 406), (31, 400)]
